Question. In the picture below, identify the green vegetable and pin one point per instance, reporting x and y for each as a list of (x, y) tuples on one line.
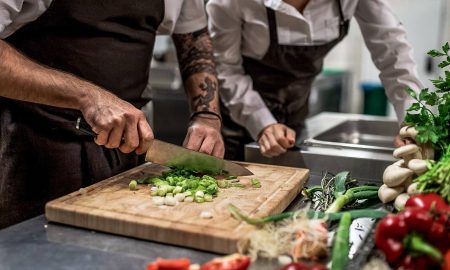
[(132, 185), (351, 195), (231, 177), (339, 183), (199, 199), (208, 198), (369, 213), (341, 245), (433, 128), (337, 191), (255, 183), (177, 190), (310, 191)]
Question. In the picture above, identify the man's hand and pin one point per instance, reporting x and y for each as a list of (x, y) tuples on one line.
[(117, 123), (276, 139), (204, 136)]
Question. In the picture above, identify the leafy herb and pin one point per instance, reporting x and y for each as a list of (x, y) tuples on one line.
[(433, 126), (430, 115)]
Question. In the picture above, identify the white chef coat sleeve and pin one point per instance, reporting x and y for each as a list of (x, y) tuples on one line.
[(385, 37), (192, 17), (244, 103), (16, 13)]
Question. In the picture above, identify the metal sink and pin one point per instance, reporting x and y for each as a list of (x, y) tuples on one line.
[(358, 134), (337, 142)]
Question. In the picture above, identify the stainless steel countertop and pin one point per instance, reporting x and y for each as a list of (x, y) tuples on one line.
[(37, 244)]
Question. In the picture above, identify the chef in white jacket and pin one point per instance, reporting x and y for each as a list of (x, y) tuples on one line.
[(269, 52)]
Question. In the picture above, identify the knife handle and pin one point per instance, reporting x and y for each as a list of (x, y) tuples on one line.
[(84, 127)]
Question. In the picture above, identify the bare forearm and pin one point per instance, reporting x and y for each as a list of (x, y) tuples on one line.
[(23, 79), (198, 70)]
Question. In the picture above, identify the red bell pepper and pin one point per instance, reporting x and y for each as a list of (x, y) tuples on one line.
[(169, 264), (303, 266), (428, 201), (417, 231), (447, 261), (231, 262)]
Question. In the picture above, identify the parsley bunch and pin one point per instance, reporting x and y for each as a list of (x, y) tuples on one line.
[(430, 114)]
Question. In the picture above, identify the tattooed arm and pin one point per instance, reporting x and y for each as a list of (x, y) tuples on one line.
[(200, 82)]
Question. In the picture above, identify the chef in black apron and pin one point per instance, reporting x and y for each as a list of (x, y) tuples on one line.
[(265, 92), (108, 43)]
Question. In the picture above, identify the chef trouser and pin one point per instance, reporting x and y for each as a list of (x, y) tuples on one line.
[(41, 163)]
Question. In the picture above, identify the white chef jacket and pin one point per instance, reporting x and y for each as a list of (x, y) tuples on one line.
[(240, 27), (181, 16)]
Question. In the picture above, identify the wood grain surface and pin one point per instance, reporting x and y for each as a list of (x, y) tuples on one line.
[(110, 206)]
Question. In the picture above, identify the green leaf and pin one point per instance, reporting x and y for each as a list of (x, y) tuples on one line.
[(435, 53), (423, 94), (413, 119), (413, 107), (427, 134), (432, 99), (443, 64), (446, 47), (411, 93)]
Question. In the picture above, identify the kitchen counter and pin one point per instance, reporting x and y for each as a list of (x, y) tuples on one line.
[(37, 244)]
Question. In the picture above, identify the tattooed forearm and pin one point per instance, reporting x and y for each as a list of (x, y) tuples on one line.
[(201, 101), (194, 52)]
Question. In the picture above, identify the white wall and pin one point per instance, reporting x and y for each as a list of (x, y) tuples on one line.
[(427, 24)]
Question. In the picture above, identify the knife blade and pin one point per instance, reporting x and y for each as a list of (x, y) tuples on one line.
[(171, 155)]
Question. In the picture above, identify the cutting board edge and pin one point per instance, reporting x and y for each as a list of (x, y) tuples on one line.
[(222, 244), (61, 211)]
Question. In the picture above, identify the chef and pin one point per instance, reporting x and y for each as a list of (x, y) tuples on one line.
[(268, 53), (63, 63)]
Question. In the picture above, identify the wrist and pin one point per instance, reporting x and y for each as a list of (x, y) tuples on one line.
[(207, 114), (212, 119)]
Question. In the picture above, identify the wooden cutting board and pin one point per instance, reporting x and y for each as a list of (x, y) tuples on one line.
[(110, 206)]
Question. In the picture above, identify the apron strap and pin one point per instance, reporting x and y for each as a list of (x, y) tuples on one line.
[(341, 12), (272, 22), (272, 26)]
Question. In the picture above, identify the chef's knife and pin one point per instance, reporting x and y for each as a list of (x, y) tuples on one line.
[(171, 155)]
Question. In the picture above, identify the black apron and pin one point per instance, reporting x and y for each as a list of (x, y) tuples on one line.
[(43, 155), (283, 78)]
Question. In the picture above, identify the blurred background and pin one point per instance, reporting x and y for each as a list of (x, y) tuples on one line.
[(349, 82)]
